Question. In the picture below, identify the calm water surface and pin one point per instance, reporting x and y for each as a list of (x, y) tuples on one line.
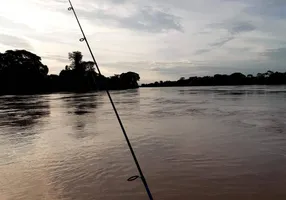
[(192, 142)]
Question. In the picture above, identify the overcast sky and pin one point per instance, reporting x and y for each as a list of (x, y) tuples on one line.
[(159, 39)]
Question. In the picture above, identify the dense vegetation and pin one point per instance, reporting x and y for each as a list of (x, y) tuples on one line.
[(268, 78), (22, 72)]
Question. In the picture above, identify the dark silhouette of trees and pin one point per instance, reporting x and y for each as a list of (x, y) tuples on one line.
[(237, 78), (22, 72), (124, 81), (79, 75), (78, 64)]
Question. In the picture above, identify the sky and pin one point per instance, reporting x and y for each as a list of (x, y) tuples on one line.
[(159, 39)]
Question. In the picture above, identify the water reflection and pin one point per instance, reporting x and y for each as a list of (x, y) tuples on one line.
[(127, 103), (22, 111), (20, 115), (128, 98), (81, 112), (81, 104), (22, 119)]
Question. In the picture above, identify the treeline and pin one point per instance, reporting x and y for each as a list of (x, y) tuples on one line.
[(22, 72), (268, 78)]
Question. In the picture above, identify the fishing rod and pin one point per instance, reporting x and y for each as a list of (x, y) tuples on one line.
[(132, 178)]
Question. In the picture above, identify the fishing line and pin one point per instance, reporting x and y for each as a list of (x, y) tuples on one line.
[(141, 175)]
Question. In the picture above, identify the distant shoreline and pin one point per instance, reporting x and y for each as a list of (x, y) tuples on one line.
[(237, 78), (210, 85)]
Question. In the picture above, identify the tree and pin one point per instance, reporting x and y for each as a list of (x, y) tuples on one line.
[(76, 60), (77, 64), (268, 73), (79, 75), (260, 75), (88, 66), (23, 60), (237, 78), (22, 72), (129, 80)]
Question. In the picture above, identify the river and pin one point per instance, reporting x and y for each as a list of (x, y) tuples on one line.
[(192, 143)]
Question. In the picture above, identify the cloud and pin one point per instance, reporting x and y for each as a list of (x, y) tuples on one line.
[(214, 45), (58, 58), (278, 54), (222, 41), (10, 24), (147, 19), (267, 9), (202, 51), (215, 36), (175, 69), (241, 27), (232, 28), (118, 1), (15, 42)]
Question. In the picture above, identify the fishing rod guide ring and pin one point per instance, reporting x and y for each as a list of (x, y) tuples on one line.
[(132, 178)]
